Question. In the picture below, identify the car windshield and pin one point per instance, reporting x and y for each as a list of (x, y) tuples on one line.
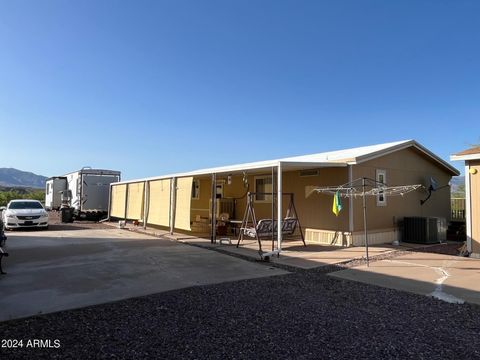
[(25, 205)]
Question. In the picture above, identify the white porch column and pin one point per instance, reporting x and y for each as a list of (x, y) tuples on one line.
[(468, 207), (146, 205), (279, 206), (126, 202), (213, 209), (350, 202), (173, 193)]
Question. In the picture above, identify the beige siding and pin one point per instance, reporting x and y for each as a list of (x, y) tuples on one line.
[(135, 200), (404, 167), (159, 202), (316, 210), (118, 195), (200, 206), (183, 203), (475, 205)]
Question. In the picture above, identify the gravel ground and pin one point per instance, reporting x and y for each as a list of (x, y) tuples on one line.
[(54, 223), (303, 315)]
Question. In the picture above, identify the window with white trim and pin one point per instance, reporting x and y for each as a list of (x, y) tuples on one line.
[(263, 184), (381, 176), (195, 189)]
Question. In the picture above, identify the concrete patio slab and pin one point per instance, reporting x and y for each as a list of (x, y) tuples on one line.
[(50, 271), (449, 278), (294, 253)]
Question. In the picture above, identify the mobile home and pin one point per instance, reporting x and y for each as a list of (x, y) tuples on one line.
[(184, 202)]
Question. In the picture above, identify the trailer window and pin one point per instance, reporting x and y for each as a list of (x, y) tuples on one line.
[(382, 180), (263, 184), (196, 189)]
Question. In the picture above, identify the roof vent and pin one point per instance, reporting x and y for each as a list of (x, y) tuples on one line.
[(310, 172)]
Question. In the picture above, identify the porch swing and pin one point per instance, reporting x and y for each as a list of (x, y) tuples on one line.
[(268, 228)]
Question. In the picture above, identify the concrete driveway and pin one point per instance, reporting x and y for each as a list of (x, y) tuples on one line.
[(449, 278), (50, 271)]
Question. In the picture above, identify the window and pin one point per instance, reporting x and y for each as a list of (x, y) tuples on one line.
[(219, 191), (263, 184), (196, 189), (48, 188), (382, 179)]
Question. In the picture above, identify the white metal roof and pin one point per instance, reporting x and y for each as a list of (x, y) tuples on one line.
[(469, 154), (89, 170), (338, 158)]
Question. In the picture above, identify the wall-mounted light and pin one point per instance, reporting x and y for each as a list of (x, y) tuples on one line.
[(229, 179), (473, 171)]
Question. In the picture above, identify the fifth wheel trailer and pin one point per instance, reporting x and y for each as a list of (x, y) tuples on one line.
[(53, 188), (90, 190)]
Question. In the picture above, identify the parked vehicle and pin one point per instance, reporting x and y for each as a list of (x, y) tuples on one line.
[(23, 213), (90, 191), (3, 237), (53, 189)]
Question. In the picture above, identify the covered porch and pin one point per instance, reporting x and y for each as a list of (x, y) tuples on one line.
[(240, 197)]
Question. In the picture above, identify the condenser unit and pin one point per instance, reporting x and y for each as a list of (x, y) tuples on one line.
[(424, 230)]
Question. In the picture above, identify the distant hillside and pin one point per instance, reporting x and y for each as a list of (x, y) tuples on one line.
[(10, 177), (458, 185)]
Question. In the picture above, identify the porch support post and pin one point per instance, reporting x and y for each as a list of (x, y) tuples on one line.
[(146, 205), (468, 206), (126, 202), (273, 208), (350, 203), (279, 207), (365, 232), (213, 209), (173, 205)]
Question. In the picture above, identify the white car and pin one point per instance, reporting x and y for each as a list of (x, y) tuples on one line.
[(24, 213)]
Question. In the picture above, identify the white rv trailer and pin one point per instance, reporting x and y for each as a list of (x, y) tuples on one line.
[(91, 191), (53, 188)]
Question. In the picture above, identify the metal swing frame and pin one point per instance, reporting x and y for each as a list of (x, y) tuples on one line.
[(271, 228)]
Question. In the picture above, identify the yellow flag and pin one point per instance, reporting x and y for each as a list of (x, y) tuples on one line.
[(337, 204)]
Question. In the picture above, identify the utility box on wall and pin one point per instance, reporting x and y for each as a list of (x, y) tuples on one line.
[(424, 230)]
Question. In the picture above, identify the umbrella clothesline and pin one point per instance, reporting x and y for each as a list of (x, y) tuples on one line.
[(370, 188), (363, 187)]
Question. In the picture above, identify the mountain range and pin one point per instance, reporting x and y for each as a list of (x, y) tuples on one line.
[(10, 177), (456, 182)]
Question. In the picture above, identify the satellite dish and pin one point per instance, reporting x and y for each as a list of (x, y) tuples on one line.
[(433, 184), (433, 187)]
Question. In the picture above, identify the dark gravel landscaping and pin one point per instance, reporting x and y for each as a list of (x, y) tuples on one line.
[(303, 315)]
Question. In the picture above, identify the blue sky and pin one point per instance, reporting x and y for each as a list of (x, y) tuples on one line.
[(155, 87)]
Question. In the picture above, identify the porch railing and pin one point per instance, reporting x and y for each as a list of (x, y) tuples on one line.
[(458, 209)]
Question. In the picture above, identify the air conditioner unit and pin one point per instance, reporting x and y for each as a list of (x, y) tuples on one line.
[(424, 230), (223, 206)]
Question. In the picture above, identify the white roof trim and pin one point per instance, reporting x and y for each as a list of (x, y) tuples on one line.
[(239, 168), (465, 157)]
